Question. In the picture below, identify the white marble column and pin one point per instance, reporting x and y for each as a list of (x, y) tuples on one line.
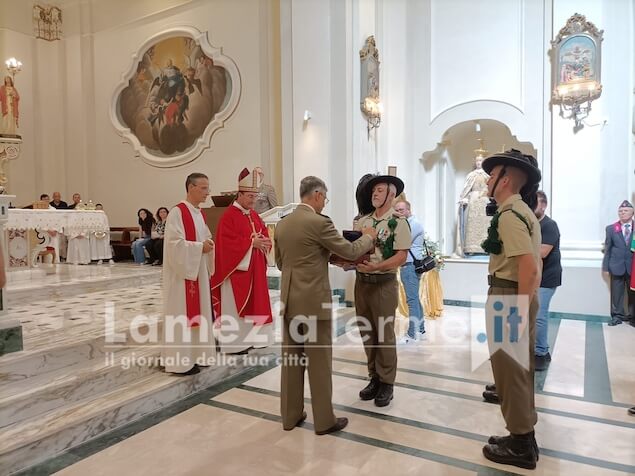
[(10, 328)]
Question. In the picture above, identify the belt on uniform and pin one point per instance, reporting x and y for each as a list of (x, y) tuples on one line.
[(376, 278), (501, 283)]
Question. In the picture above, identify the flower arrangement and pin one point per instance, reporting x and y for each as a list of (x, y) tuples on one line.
[(435, 251)]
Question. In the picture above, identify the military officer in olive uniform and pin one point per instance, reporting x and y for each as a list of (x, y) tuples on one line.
[(376, 291), (304, 241), (513, 244)]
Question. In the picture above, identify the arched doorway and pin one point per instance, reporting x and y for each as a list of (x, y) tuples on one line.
[(451, 162)]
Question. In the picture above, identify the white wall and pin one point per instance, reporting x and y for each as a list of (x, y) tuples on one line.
[(593, 169), (445, 62), (467, 281), (66, 87)]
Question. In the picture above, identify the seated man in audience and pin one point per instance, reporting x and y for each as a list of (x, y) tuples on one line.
[(77, 199), (43, 198), (57, 202)]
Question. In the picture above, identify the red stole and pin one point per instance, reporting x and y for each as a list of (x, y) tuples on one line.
[(192, 293), (251, 292)]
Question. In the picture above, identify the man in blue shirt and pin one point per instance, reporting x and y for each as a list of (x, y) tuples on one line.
[(409, 278)]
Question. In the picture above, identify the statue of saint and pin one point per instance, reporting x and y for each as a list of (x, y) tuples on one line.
[(9, 100), (472, 220), (266, 198)]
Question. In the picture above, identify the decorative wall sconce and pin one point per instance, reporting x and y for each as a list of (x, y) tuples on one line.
[(372, 109), (577, 66), (370, 104), (13, 67)]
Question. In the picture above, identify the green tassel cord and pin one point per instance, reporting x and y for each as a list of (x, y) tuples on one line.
[(493, 244)]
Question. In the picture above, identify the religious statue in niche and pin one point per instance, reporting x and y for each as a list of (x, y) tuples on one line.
[(176, 91), (47, 22), (472, 221), (9, 107)]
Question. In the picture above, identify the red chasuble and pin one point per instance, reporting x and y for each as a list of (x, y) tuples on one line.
[(192, 294), (233, 239)]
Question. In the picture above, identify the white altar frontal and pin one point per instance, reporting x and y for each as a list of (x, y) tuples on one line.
[(30, 232)]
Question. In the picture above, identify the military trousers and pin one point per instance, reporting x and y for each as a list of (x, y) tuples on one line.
[(375, 305), (515, 382), (318, 353)]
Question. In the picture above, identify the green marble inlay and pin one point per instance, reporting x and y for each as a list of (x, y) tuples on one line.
[(481, 470), (341, 293), (552, 315), (10, 340), (273, 282), (367, 440), (483, 382), (105, 440), (597, 385)]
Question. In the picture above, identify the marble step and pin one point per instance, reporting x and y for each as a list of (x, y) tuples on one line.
[(29, 442), (64, 347), (62, 350), (34, 396), (100, 280)]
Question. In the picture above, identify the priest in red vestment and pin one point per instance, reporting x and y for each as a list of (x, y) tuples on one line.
[(240, 293)]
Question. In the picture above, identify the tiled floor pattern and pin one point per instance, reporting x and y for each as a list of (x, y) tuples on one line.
[(436, 425)]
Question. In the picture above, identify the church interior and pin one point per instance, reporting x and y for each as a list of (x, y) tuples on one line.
[(109, 105)]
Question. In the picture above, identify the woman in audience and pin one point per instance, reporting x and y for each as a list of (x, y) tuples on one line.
[(146, 225), (154, 247)]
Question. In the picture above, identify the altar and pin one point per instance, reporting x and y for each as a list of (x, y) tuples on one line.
[(30, 232)]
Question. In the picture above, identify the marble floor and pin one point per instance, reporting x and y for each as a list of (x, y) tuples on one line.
[(59, 306), (436, 424)]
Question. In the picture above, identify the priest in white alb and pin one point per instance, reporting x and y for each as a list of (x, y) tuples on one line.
[(78, 246), (99, 242), (188, 264)]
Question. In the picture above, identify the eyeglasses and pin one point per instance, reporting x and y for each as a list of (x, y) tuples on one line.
[(326, 200)]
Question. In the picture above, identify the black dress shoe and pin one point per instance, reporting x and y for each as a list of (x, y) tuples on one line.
[(385, 394), (193, 371), (541, 362), (516, 450), (300, 421), (490, 387), (340, 424), (491, 397), (632, 322), (631, 411), (497, 440), (615, 321), (370, 391)]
